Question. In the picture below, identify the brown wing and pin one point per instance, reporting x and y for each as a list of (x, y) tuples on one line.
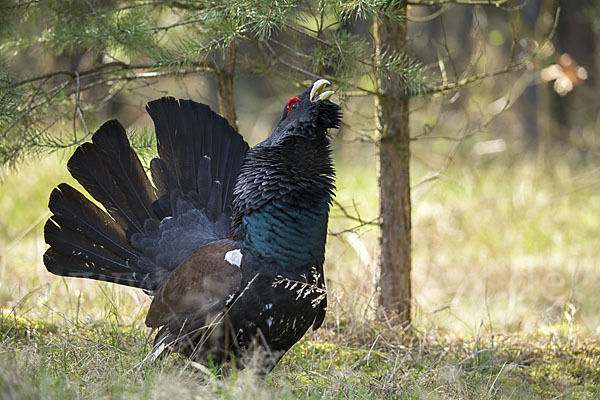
[(197, 287)]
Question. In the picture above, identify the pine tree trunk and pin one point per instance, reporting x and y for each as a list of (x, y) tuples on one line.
[(393, 153), (225, 74)]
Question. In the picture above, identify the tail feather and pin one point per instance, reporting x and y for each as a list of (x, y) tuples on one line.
[(125, 166), (161, 177), (71, 243), (204, 179), (201, 151), (77, 267), (233, 164), (168, 136), (86, 166), (71, 210)]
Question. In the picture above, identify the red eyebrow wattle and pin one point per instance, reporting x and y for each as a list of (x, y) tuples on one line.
[(290, 102)]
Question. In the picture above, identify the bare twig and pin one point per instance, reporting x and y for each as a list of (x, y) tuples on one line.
[(510, 67), (431, 16)]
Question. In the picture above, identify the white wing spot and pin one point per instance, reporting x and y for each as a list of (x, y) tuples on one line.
[(270, 321), (234, 257)]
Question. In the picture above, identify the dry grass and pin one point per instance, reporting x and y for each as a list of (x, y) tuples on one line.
[(505, 296), (363, 359)]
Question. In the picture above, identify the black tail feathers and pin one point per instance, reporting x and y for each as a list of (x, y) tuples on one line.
[(112, 173), (84, 240), (200, 158)]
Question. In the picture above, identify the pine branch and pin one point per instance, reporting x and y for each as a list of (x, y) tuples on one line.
[(110, 67), (24, 4)]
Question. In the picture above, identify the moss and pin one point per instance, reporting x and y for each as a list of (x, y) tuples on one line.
[(19, 327)]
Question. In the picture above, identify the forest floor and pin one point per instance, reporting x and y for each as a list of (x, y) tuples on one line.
[(505, 295), (109, 360)]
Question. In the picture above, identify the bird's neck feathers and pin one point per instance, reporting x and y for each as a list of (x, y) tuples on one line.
[(282, 199)]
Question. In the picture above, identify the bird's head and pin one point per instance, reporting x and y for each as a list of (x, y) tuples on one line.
[(309, 114)]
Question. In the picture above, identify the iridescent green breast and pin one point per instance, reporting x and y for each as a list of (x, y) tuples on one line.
[(292, 235)]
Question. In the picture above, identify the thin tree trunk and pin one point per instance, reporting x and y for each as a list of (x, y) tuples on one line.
[(393, 153), (225, 74), (547, 123)]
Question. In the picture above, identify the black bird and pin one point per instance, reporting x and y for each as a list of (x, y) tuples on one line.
[(229, 241)]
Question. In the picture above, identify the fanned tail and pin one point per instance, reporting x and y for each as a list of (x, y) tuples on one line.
[(146, 231), (86, 241)]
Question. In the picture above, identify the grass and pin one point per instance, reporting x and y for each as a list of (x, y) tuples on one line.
[(107, 360), (505, 295)]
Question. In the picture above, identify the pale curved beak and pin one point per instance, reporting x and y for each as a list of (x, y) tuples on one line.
[(318, 92)]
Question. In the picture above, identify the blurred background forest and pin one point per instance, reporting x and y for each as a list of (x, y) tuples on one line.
[(505, 171)]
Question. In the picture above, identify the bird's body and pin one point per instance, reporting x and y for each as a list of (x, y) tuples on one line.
[(229, 240)]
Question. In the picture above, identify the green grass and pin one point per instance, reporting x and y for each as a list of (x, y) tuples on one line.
[(107, 360), (505, 299)]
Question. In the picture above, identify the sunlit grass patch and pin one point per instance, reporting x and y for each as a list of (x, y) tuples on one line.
[(488, 367)]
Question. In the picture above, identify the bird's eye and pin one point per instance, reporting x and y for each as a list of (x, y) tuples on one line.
[(292, 104)]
